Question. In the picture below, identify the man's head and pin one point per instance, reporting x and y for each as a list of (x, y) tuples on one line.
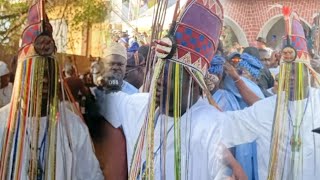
[(234, 58), (184, 87), (298, 81), (69, 70), (216, 73), (135, 70), (275, 58), (49, 84), (265, 57), (261, 43), (115, 38), (115, 61), (175, 48), (250, 65), (4, 75)]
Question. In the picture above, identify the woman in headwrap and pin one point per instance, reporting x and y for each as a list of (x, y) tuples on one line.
[(249, 68), (225, 99)]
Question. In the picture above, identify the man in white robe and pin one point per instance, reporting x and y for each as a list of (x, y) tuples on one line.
[(73, 161), (41, 138), (256, 122), (201, 135), (202, 154)]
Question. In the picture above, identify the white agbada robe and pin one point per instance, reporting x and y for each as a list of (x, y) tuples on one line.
[(78, 162), (5, 95), (255, 123), (200, 136)]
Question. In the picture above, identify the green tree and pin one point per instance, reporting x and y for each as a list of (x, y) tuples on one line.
[(12, 18)]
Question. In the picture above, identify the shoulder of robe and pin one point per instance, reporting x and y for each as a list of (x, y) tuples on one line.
[(4, 113), (207, 117), (76, 127), (137, 100), (266, 102)]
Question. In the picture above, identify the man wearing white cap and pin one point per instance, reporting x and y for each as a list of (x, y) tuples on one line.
[(115, 61), (5, 86)]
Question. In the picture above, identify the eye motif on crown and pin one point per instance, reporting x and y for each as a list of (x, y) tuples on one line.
[(289, 54), (44, 45)]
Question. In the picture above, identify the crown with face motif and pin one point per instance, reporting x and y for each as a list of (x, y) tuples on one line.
[(37, 36), (294, 42)]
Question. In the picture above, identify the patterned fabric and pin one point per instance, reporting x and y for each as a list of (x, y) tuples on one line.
[(216, 65), (197, 41), (252, 64), (297, 38)]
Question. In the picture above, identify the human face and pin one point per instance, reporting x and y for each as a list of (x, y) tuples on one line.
[(275, 59), (260, 45), (235, 61), (135, 75), (185, 90), (298, 81), (266, 61), (115, 65)]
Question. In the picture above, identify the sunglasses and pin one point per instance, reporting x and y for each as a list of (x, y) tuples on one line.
[(236, 60)]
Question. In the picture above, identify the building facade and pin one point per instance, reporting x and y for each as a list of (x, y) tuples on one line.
[(250, 19)]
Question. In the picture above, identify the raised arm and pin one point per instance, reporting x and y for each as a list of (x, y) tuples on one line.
[(247, 94)]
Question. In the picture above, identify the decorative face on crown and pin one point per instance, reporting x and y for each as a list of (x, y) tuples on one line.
[(289, 54), (44, 45)]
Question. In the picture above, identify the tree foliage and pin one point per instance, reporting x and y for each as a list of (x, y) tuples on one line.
[(13, 17), (90, 11)]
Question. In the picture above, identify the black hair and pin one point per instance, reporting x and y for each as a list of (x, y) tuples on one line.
[(144, 50), (253, 51)]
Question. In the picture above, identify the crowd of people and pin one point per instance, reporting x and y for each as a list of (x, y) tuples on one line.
[(249, 113)]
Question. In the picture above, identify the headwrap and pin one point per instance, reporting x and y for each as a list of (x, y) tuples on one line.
[(116, 49), (216, 65), (232, 55), (251, 63)]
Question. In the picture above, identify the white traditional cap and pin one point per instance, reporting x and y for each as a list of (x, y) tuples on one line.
[(3, 69), (116, 48)]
